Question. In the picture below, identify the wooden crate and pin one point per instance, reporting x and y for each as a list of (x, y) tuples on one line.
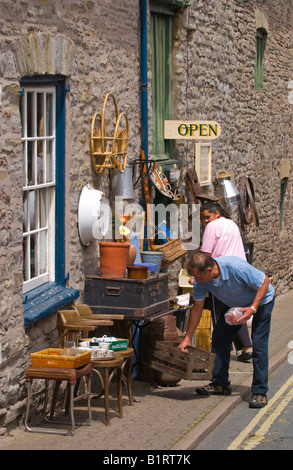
[(194, 365)]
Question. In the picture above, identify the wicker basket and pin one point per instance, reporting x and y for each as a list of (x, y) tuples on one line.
[(172, 250)]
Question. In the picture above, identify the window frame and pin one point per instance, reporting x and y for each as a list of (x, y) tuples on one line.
[(39, 190), (59, 84), (47, 298)]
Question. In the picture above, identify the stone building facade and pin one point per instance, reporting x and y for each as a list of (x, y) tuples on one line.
[(96, 49)]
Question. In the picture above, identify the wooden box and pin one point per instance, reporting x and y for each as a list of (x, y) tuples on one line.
[(194, 365), (54, 358), (134, 298)]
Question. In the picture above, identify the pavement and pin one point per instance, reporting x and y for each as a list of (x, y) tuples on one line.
[(170, 419)]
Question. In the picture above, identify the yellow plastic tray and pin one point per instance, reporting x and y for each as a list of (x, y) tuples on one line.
[(53, 358)]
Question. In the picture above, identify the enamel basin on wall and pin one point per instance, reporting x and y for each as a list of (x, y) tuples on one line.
[(93, 215)]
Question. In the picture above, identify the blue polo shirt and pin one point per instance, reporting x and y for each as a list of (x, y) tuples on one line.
[(237, 284)]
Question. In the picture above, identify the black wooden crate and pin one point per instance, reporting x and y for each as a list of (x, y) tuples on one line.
[(135, 298), (194, 365)]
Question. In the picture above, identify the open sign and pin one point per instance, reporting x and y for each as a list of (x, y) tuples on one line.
[(197, 130)]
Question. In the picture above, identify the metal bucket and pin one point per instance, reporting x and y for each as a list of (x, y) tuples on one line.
[(121, 183)]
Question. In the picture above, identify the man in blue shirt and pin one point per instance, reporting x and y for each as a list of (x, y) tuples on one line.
[(237, 284)]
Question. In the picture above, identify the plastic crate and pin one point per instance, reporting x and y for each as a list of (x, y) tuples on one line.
[(54, 358), (204, 331)]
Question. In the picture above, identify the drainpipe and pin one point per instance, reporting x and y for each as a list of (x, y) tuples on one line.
[(144, 92), (144, 75)]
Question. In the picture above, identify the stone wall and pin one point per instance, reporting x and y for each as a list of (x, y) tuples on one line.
[(97, 48), (13, 342), (215, 53)]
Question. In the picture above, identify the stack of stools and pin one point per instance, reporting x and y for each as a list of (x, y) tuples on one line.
[(72, 376)]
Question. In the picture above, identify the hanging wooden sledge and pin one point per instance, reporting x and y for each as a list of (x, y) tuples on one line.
[(109, 151)]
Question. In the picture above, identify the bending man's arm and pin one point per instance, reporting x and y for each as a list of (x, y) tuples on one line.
[(260, 293), (194, 318)]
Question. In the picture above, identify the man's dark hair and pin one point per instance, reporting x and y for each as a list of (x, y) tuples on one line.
[(200, 262)]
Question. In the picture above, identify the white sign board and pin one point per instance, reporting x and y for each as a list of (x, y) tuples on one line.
[(197, 130)]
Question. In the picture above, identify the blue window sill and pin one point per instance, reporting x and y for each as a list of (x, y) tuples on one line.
[(42, 302)]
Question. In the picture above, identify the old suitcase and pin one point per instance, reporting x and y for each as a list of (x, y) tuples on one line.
[(134, 298)]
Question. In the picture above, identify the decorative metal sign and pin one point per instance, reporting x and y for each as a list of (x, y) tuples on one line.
[(197, 130)]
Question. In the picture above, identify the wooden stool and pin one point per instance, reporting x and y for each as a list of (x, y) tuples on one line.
[(127, 370), (105, 379), (72, 376)]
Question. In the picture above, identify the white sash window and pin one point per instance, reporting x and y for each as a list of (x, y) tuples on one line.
[(38, 113)]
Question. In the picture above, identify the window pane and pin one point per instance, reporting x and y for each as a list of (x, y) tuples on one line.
[(32, 256), (40, 114), (30, 114), (49, 114), (32, 215), (42, 209), (24, 177), (25, 258), (259, 58), (25, 212), (30, 162), (40, 162), (49, 162), (42, 252)]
